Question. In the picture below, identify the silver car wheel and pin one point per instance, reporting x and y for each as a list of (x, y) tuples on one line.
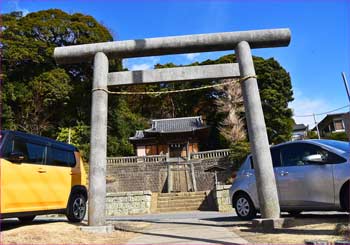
[(243, 206), (79, 208)]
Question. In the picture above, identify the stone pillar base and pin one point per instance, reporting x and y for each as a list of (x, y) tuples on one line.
[(271, 224), (98, 229)]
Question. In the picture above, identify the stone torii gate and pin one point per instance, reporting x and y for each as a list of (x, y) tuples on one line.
[(241, 42)]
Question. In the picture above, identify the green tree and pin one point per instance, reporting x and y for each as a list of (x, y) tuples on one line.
[(78, 136), (275, 90), (38, 96), (122, 124), (43, 98), (337, 136)]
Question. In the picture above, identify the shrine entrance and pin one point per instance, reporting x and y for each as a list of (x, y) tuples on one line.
[(241, 42)]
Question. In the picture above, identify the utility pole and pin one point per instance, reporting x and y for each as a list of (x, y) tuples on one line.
[(347, 118), (346, 85), (318, 131)]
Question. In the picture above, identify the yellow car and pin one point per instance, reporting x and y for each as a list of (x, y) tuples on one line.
[(39, 176)]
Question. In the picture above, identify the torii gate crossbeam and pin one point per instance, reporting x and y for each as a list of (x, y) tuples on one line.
[(241, 42)]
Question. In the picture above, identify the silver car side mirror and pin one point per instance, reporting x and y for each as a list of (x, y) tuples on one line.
[(316, 158)]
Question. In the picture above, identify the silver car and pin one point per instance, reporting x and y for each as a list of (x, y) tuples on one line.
[(311, 175)]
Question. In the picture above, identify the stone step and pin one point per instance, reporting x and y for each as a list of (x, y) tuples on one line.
[(182, 194), (170, 199), (183, 204), (180, 197), (181, 201), (190, 200), (176, 209)]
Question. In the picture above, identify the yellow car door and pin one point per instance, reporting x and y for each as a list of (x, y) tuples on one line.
[(21, 176), (58, 177)]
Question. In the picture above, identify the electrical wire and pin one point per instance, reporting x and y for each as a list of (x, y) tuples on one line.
[(323, 113)]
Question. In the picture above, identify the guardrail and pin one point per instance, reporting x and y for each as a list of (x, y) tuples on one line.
[(210, 154), (163, 158), (136, 159)]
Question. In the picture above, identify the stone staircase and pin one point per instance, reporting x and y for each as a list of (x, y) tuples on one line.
[(183, 201)]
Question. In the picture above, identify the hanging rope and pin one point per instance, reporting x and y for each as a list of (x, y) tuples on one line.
[(175, 91)]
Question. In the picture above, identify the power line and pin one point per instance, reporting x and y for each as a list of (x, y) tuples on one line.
[(323, 113)]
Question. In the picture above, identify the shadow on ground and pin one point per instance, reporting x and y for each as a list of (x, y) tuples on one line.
[(10, 224), (299, 221)]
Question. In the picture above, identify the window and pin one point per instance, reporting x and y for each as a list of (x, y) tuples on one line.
[(294, 155), (61, 158), (338, 124), (36, 153), (33, 153), (276, 158)]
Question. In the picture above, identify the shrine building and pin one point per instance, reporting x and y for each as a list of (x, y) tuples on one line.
[(174, 137)]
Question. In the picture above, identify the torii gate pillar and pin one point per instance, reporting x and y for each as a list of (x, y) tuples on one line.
[(259, 143), (98, 142)]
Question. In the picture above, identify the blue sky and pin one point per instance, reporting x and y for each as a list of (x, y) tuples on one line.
[(318, 53)]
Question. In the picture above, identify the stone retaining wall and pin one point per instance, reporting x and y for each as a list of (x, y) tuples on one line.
[(144, 202), (128, 203), (125, 177), (222, 198)]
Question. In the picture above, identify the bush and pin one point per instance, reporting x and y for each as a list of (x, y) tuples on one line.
[(239, 151), (337, 136)]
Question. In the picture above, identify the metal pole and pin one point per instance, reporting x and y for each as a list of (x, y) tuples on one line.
[(318, 131), (347, 117), (98, 143), (69, 135), (266, 183), (346, 85), (170, 179), (188, 151)]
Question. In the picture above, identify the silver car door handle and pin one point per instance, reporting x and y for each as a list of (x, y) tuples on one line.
[(283, 173)]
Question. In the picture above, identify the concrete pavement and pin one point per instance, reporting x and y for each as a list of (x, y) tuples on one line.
[(185, 228)]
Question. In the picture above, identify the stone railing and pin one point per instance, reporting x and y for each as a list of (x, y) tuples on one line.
[(163, 158), (211, 154), (135, 159)]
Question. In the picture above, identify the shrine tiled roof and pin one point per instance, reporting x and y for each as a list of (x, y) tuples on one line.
[(170, 125)]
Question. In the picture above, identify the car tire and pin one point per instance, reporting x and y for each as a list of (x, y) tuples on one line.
[(244, 207), (294, 213), (26, 219), (345, 199), (76, 208)]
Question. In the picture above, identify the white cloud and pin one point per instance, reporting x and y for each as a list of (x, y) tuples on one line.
[(138, 67), (145, 63), (191, 56), (305, 105), (15, 4)]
